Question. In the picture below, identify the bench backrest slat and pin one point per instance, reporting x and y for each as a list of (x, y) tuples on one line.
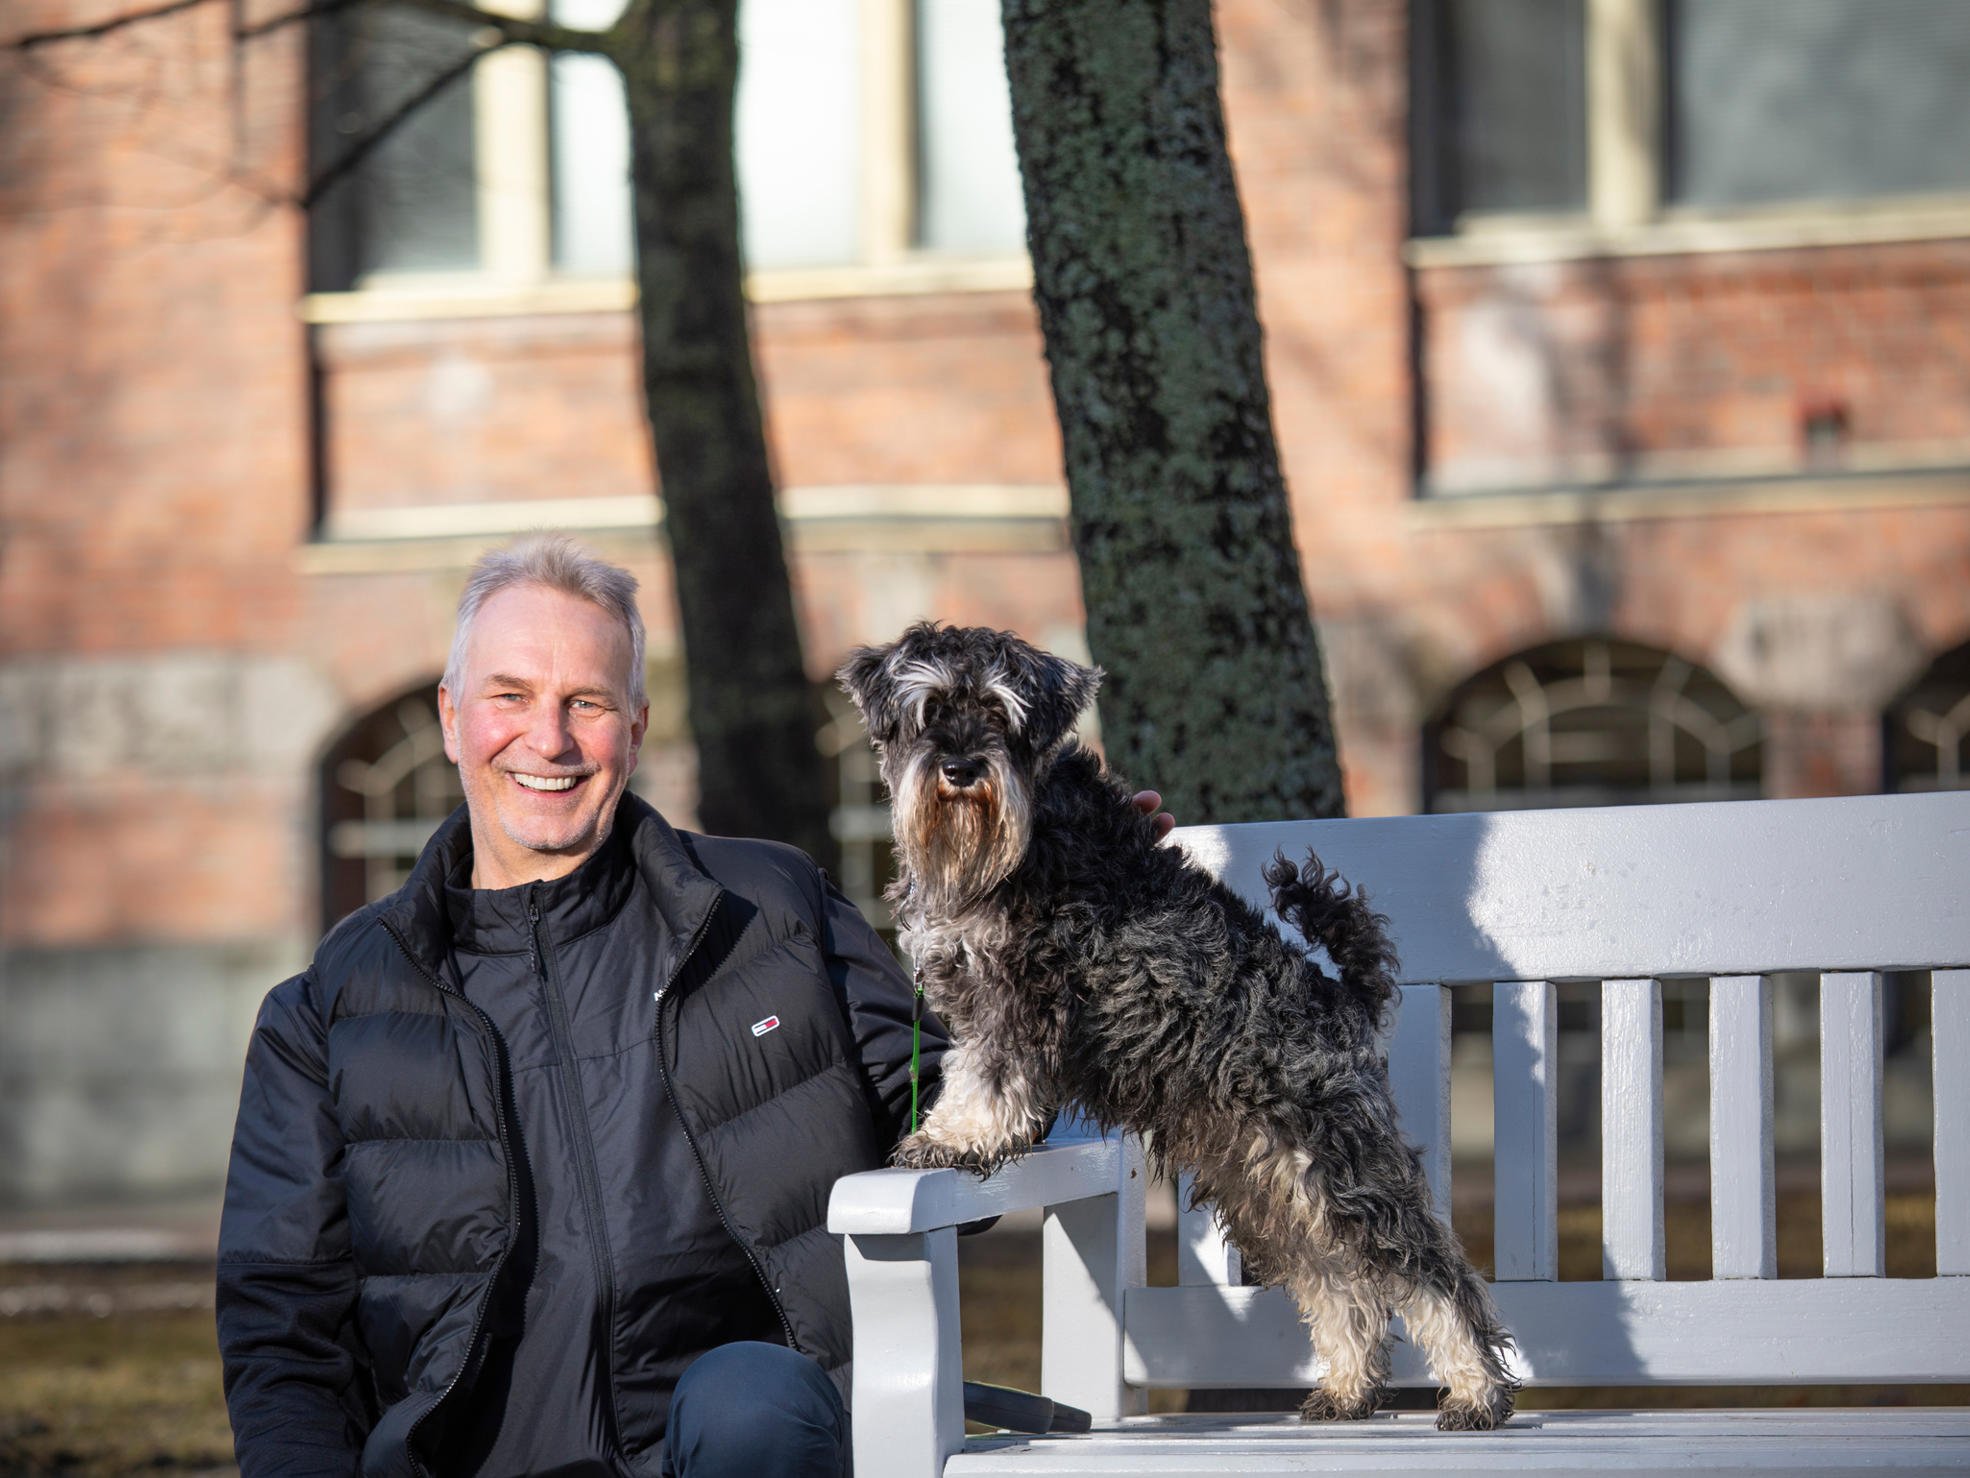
[(1525, 1136), (1851, 1182), (1419, 1072), (1950, 1010), (1631, 1130), (1743, 1180)]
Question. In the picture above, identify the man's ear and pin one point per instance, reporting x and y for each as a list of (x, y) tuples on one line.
[(448, 722), (638, 727)]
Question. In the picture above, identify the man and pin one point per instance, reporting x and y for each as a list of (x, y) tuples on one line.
[(532, 1163)]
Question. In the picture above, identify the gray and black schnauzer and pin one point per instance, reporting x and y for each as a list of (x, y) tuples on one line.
[(1075, 960)]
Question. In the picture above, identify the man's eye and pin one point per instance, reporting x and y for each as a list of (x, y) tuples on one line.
[(585, 705)]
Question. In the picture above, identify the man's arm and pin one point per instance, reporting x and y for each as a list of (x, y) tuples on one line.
[(287, 1285), (879, 995)]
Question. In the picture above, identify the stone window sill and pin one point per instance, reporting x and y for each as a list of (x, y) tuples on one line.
[(468, 295), (1513, 240)]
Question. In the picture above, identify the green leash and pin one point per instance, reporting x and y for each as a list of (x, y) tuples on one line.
[(916, 1046)]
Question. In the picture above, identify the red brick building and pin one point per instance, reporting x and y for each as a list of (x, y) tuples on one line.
[(1628, 436)]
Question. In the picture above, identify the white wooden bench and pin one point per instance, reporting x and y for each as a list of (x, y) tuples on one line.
[(1730, 894)]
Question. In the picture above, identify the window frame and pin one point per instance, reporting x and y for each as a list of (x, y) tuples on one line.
[(1626, 212), (516, 271)]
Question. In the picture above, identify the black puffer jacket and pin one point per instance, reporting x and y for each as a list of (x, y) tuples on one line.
[(371, 1200)]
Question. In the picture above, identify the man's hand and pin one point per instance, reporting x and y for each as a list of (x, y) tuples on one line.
[(1150, 803)]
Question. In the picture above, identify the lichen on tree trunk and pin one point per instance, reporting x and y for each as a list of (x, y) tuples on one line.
[(1196, 609), (752, 712)]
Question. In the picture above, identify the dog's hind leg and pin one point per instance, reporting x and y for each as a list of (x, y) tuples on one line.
[(1277, 1217), (1459, 1332), (1379, 1207)]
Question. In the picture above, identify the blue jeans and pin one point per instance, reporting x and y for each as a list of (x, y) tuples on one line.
[(749, 1409)]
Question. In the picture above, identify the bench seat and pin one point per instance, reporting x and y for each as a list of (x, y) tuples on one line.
[(1821, 1442)]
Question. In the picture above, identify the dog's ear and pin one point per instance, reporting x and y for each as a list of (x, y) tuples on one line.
[(1061, 690), (866, 678)]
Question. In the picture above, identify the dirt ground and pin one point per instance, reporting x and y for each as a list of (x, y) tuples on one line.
[(112, 1369)]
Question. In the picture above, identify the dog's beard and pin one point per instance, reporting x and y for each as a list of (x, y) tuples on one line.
[(960, 844)]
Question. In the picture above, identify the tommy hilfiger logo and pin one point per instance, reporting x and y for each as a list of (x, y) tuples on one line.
[(761, 1028)]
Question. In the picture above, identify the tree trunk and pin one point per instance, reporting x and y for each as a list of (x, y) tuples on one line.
[(752, 712), (1195, 606)]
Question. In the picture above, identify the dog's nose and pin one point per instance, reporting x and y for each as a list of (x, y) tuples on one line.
[(963, 773)]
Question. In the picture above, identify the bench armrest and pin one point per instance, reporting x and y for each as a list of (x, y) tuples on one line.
[(899, 1228), (890, 1202)]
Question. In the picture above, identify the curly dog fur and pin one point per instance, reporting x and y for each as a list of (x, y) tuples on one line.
[(1076, 960)]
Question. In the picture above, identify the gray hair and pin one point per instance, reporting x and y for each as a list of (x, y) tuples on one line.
[(558, 563)]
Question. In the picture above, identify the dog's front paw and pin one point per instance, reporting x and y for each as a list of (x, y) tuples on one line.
[(920, 1152), (1325, 1406)]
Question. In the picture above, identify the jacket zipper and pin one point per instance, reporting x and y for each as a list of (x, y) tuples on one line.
[(512, 1195), (704, 1172), (539, 952)]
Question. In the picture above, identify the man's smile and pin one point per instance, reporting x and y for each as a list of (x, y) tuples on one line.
[(547, 782)]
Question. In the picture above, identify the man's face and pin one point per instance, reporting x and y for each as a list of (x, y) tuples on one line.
[(542, 731)]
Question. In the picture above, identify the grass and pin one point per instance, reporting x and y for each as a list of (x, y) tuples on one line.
[(114, 1371), (108, 1383)]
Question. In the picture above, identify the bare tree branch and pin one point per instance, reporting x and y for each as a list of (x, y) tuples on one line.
[(549, 35), (103, 27), (514, 29), (374, 137), (307, 12)]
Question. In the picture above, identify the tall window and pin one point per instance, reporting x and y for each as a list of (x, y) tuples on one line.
[(413, 205), (1594, 722), (867, 132), (1927, 738), (1501, 109), (1623, 110), (1772, 100)]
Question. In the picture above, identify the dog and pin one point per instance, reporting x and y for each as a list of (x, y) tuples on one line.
[(1075, 960)]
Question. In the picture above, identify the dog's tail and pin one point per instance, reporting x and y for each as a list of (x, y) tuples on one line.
[(1327, 912)]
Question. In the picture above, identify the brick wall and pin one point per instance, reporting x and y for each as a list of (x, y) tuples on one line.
[(1816, 600), (176, 655), (1697, 365)]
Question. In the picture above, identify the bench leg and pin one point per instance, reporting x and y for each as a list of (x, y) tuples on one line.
[(908, 1384), (1093, 1252)]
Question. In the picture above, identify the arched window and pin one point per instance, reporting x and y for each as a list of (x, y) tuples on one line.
[(386, 785), (1590, 722), (1926, 744)]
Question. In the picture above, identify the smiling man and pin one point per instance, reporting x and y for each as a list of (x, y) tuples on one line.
[(532, 1163)]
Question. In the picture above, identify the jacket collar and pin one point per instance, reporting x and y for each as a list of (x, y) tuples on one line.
[(683, 893), (510, 920)]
